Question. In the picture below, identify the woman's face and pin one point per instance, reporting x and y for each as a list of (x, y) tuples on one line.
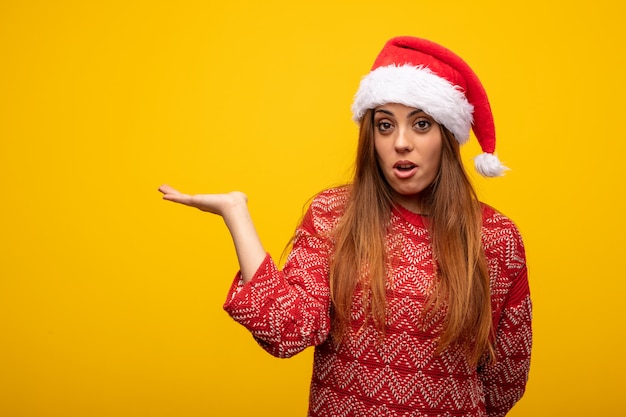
[(408, 146)]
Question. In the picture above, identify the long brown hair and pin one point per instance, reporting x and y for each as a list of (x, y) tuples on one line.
[(455, 221)]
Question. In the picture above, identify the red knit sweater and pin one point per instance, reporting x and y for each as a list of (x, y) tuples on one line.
[(288, 311)]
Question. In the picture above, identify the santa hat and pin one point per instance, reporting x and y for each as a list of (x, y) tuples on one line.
[(422, 74)]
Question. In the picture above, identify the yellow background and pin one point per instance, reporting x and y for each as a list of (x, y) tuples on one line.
[(110, 298)]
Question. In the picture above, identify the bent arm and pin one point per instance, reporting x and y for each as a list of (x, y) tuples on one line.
[(233, 208), (287, 310)]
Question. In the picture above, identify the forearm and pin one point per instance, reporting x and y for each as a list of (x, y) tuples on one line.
[(286, 310), (248, 246)]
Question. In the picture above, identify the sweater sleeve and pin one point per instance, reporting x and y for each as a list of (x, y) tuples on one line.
[(505, 380), (287, 310)]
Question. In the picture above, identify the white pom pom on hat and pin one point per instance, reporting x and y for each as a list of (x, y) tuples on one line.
[(420, 73)]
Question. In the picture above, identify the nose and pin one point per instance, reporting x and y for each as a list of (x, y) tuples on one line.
[(402, 142)]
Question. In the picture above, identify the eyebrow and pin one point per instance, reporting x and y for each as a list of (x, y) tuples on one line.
[(414, 112)]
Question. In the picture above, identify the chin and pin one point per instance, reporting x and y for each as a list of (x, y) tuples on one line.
[(410, 192)]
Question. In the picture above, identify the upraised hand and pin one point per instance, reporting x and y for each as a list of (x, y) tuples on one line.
[(219, 204), (233, 208)]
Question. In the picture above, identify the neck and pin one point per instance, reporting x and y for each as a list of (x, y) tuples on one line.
[(412, 203)]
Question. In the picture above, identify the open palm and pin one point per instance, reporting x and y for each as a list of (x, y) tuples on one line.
[(213, 203)]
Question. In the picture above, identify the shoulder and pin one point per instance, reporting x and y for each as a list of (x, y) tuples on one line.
[(506, 258), (331, 198), (496, 223), (326, 208)]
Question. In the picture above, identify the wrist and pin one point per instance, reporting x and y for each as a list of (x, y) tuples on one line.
[(235, 209)]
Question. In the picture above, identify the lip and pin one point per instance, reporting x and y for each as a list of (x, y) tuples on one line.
[(404, 173)]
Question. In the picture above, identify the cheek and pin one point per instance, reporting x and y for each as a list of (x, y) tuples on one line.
[(436, 150), (437, 155), (379, 150)]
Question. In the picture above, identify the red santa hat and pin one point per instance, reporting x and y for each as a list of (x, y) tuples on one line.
[(422, 74)]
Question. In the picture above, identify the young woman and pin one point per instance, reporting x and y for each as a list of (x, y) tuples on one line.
[(414, 294)]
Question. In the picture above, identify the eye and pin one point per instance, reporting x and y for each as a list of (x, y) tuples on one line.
[(384, 126), (422, 124)]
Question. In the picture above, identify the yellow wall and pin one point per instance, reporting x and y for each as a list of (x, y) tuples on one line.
[(110, 299)]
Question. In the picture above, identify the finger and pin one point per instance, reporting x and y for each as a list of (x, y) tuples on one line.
[(171, 194), (177, 197), (166, 189)]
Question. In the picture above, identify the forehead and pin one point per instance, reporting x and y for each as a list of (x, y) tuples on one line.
[(396, 109)]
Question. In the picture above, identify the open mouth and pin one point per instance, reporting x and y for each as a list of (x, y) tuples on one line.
[(405, 167)]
